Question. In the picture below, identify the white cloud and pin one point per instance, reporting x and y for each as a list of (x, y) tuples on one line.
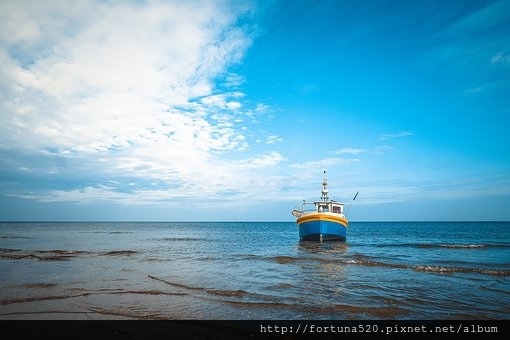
[(396, 135), (267, 160), (382, 149), (477, 89), (500, 58), (233, 80), (126, 91), (324, 163), (261, 107), (273, 139), (351, 151), (490, 15)]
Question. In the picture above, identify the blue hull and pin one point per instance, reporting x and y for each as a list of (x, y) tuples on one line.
[(322, 231)]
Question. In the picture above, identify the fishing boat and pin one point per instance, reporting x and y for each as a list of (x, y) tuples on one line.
[(324, 221)]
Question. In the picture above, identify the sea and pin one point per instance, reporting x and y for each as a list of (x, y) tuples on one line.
[(253, 271)]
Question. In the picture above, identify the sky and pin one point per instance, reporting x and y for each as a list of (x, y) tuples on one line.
[(232, 110)]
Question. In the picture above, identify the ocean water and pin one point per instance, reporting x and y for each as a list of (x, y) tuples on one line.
[(243, 271)]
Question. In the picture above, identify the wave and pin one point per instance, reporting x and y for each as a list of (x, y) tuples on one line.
[(119, 253), (324, 309), (355, 259), (41, 255), (57, 254), (172, 239), (370, 263), (63, 252), (221, 292), (495, 289), (362, 260), (106, 232), (16, 237), (454, 246), (8, 250), (285, 259), (145, 292), (430, 268), (446, 245), (38, 285), (38, 298), (82, 294), (20, 256), (441, 269), (280, 286)]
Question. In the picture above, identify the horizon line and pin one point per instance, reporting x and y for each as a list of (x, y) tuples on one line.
[(232, 221)]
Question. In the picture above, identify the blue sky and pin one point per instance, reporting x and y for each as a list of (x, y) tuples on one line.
[(229, 110)]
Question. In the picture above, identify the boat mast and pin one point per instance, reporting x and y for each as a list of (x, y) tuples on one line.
[(324, 190)]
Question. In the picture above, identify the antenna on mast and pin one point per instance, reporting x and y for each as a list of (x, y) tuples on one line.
[(350, 205), (324, 190)]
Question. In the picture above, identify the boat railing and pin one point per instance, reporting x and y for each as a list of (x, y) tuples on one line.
[(305, 209)]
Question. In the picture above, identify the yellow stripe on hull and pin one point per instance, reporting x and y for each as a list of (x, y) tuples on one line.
[(323, 217)]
